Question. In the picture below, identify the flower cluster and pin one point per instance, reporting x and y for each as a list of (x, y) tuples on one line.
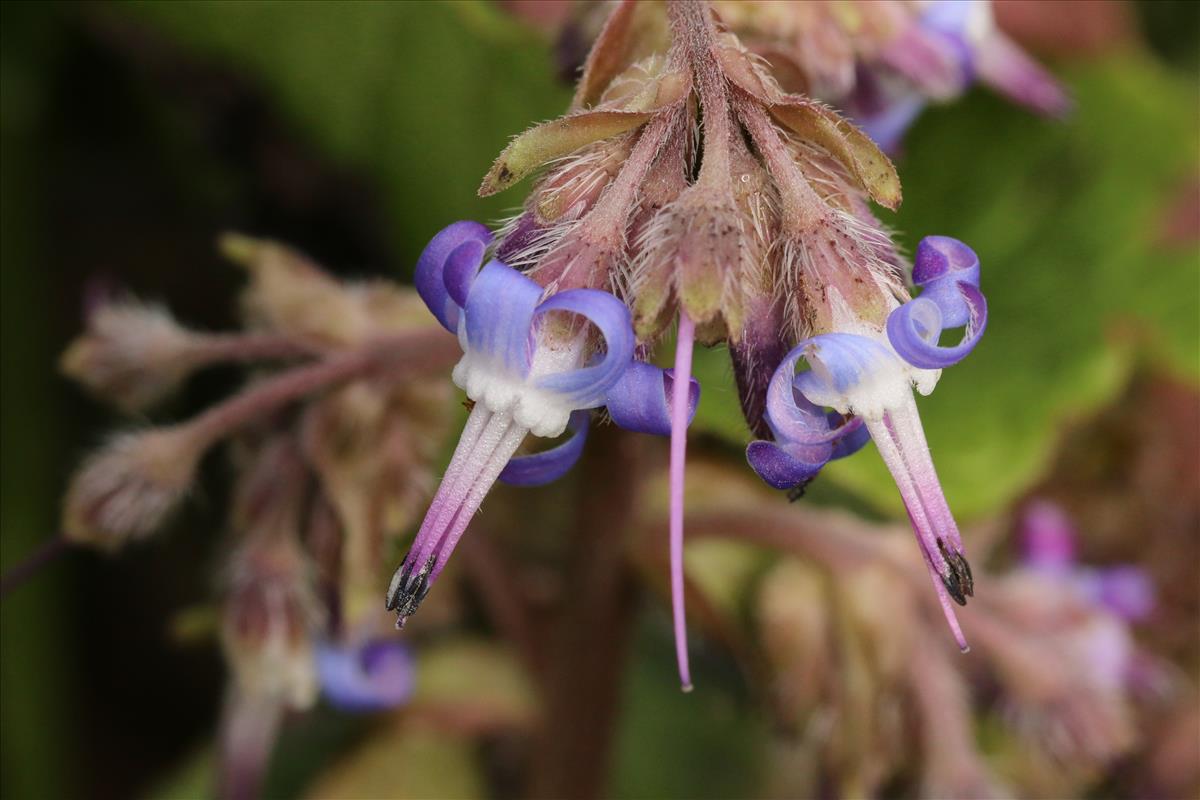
[(879, 61), (332, 446), (698, 178), (865, 693)]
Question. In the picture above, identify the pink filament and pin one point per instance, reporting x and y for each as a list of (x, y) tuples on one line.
[(901, 443), (679, 424)]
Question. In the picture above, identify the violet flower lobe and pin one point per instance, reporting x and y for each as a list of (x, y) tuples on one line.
[(531, 366), (1048, 549), (869, 373), (374, 675)]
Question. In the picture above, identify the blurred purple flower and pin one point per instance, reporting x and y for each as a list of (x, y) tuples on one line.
[(1048, 547), (950, 46), (375, 675)]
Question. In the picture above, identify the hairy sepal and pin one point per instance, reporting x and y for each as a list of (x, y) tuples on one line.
[(861, 157), (555, 139)]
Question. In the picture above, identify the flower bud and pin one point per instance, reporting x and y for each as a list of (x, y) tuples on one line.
[(270, 615), (290, 294), (126, 490), (133, 354)]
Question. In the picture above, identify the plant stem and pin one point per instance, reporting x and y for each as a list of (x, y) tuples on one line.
[(45, 553), (402, 355), (583, 675)]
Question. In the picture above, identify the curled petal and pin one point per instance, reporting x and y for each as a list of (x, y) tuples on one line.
[(943, 257), (806, 437), (539, 469), (375, 676), (853, 435), (784, 468), (499, 315), (640, 400), (795, 419), (462, 265), (430, 278), (914, 327), (586, 387)]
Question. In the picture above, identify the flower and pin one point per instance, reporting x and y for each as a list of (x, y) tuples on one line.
[(530, 366), (370, 676), (868, 372), (935, 58), (688, 179), (1048, 549)]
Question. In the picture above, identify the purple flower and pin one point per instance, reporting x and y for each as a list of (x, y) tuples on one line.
[(951, 45), (870, 373), (1048, 547), (371, 676), (533, 365)]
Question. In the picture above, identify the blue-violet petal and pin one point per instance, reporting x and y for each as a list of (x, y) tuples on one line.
[(538, 469), (586, 387), (429, 278), (499, 314), (641, 400)]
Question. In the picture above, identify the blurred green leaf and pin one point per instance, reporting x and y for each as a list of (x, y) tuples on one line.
[(421, 97), (1066, 218), (705, 744), (474, 675), (36, 711)]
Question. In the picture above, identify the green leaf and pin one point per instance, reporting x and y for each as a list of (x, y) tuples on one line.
[(421, 97), (706, 744)]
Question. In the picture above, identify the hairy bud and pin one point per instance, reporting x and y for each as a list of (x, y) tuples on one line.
[(270, 614), (126, 490), (291, 294), (133, 354)]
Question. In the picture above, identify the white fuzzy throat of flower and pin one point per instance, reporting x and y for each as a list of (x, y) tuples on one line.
[(542, 412), (886, 385)]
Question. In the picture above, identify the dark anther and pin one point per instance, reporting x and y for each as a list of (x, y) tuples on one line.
[(954, 589), (968, 580), (959, 581), (797, 491), (408, 589)]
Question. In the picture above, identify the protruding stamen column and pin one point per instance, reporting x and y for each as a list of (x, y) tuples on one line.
[(488, 442), (679, 423)]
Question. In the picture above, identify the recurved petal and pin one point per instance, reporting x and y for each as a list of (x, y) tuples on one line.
[(586, 387), (914, 328), (641, 400), (430, 277), (793, 418), (781, 469), (538, 469), (499, 316)]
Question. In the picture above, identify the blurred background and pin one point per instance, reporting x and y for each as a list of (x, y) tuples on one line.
[(133, 134)]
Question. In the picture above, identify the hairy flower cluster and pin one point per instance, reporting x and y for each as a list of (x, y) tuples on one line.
[(697, 178), (334, 441), (867, 694), (880, 61)]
